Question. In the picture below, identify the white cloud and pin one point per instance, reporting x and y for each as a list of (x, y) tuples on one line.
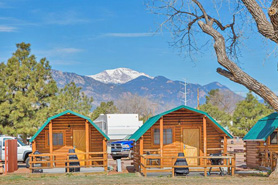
[(64, 62), (127, 35), (63, 18), (4, 28), (58, 52), (68, 50), (4, 5), (59, 56)]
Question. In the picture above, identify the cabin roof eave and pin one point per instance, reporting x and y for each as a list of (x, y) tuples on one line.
[(151, 121), (263, 128), (63, 113)]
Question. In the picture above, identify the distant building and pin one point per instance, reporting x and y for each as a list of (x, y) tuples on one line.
[(118, 126)]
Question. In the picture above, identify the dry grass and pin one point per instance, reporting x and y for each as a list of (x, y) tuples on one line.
[(130, 179)]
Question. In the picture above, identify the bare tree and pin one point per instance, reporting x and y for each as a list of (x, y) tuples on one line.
[(130, 103), (188, 18), (224, 100)]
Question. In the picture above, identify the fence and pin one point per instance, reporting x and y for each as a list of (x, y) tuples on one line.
[(267, 156), (146, 166), (62, 160)]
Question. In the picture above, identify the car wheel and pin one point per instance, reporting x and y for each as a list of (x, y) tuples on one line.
[(27, 161)]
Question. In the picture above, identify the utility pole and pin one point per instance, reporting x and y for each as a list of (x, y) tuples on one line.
[(185, 92), (198, 102)]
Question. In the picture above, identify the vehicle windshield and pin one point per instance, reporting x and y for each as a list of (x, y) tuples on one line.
[(20, 142)]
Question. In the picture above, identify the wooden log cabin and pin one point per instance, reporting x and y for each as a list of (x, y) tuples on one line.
[(261, 143), (69, 130), (183, 129)]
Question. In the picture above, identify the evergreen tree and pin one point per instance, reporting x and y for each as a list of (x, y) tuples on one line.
[(70, 98), (220, 116), (104, 108), (247, 113), (26, 89), (214, 107)]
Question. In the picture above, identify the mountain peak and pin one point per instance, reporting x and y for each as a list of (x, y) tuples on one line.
[(118, 75)]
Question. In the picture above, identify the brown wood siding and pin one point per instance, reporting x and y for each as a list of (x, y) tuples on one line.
[(136, 155), (179, 120), (252, 154), (68, 123)]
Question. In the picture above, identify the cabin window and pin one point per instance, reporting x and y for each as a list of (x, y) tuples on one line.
[(167, 136), (273, 138), (57, 137)]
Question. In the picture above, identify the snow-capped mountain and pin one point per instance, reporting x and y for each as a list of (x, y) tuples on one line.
[(118, 76), (167, 93)]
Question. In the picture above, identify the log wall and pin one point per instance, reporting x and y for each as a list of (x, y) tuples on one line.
[(178, 120), (252, 154), (136, 155), (66, 124)]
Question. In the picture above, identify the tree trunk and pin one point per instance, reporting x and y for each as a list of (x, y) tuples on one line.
[(24, 138), (264, 26), (232, 71)]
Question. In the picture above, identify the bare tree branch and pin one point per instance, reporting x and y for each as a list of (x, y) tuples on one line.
[(182, 21), (263, 25), (233, 72)]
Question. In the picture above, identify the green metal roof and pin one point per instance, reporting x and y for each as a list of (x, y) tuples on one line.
[(151, 121), (263, 128), (66, 112)]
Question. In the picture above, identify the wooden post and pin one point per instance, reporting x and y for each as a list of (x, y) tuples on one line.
[(205, 135), (145, 169), (105, 158), (87, 142), (225, 148), (161, 141), (34, 147), (233, 165), (225, 145), (198, 100), (229, 163), (6, 157), (271, 161), (266, 151), (173, 169), (51, 143), (141, 150), (205, 143), (67, 164), (141, 145)]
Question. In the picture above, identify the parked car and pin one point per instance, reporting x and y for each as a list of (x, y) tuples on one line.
[(23, 150), (121, 149)]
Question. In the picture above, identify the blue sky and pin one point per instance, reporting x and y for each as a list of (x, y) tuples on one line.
[(87, 37)]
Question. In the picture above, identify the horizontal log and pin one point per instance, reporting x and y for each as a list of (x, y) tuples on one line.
[(60, 161), (63, 166)]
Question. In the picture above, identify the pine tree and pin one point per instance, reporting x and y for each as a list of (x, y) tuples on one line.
[(221, 117), (70, 98), (26, 89), (247, 113), (104, 108), (215, 107)]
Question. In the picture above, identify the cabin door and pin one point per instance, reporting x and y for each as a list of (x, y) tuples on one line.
[(79, 142), (191, 144)]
